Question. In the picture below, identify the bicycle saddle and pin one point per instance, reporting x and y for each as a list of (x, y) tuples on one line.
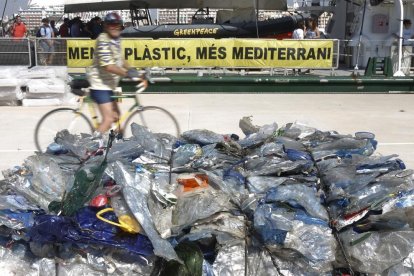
[(77, 86)]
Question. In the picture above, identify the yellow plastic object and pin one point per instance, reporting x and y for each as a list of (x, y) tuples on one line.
[(126, 223)]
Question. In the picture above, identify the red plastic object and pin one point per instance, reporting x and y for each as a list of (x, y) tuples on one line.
[(99, 201)]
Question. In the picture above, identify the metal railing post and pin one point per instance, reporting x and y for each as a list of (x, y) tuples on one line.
[(399, 72)]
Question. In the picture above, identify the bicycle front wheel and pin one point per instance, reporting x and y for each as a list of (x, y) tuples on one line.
[(156, 119), (57, 120)]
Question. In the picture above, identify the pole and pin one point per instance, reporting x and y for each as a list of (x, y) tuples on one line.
[(256, 9), (2, 16), (400, 73), (178, 17), (360, 37)]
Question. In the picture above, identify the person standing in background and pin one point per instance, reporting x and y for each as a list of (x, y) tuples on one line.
[(300, 31), (64, 28), (312, 30), (18, 29), (96, 27), (46, 33), (75, 28), (53, 26), (407, 43), (408, 33)]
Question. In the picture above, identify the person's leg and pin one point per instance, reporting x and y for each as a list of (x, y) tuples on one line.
[(43, 57), (116, 115), (107, 112), (106, 107), (51, 54)]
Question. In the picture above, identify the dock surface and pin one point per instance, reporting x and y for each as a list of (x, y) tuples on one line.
[(389, 116)]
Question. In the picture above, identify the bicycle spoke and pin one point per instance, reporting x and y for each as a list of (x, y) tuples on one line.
[(74, 125), (57, 120), (50, 131), (156, 119), (143, 121)]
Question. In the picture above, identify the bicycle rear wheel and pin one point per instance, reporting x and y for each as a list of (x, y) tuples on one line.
[(156, 119), (57, 120)]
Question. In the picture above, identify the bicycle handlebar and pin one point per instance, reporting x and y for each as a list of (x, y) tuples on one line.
[(80, 87), (143, 80)]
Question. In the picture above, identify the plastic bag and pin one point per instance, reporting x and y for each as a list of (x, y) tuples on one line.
[(259, 262), (261, 184), (315, 242), (14, 261), (230, 260), (221, 222), (78, 145), (86, 228), (185, 154), (281, 228), (217, 182), (265, 132), (48, 179), (374, 252), (406, 267), (136, 197), (300, 195), (213, 157), (200, 205), (127, 150), (202, 137), (297, 130), (275, 166), (16, 220), (149, 141), (15, 202), (269, 149), (247, 127)]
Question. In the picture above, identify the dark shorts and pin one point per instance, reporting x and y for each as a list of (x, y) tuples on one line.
[(102, 96)]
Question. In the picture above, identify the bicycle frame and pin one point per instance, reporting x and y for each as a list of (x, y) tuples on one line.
[(88, 121), (94, 115)]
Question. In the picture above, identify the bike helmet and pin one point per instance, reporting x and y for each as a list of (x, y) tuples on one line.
[(113, 18)]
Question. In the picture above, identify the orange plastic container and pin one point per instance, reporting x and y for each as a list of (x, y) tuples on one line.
[(192, 182)]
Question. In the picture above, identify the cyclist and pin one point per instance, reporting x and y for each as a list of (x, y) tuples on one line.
[(108, 67)]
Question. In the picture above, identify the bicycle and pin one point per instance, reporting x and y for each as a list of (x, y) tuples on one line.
[(157, 119)]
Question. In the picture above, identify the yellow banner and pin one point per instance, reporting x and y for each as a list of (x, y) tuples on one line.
[(255, 53), (79, 53)]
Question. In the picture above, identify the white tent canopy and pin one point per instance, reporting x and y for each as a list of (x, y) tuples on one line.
[(102, 5)]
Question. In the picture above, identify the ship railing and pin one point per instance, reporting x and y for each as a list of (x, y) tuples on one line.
[(52, 51), (24, 52), (374, 48), (15, 52), (313, 3)]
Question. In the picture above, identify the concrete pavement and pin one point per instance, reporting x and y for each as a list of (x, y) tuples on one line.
[(389, 116)]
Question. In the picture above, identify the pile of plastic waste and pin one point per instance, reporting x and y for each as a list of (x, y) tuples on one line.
[(292, 200)]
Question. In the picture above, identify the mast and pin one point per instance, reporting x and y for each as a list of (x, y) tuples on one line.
[(2, 17), (399, 73)]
